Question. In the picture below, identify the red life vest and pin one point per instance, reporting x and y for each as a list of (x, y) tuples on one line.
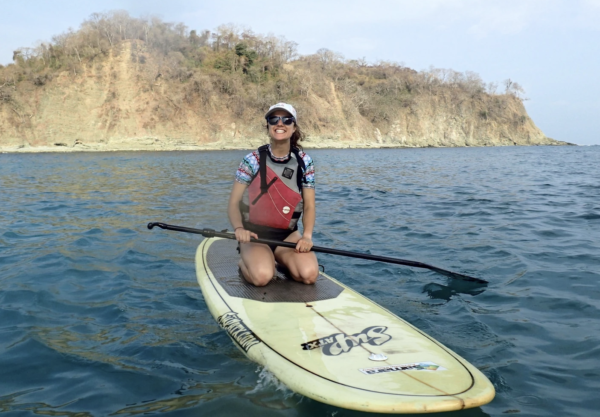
[(275, 195)]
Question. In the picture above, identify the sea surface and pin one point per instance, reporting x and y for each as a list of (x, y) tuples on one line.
[(100, 316)]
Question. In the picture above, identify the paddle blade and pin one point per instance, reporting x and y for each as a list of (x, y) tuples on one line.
[(456, 275)]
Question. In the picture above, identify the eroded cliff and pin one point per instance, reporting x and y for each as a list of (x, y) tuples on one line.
[(125, 102)]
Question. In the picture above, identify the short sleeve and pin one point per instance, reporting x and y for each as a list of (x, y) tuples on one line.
[(248, 169), (308, 179)]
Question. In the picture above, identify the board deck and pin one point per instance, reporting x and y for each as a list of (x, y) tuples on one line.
[(320, 340)]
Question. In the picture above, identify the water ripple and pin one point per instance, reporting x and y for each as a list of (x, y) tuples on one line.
[(99, 316)]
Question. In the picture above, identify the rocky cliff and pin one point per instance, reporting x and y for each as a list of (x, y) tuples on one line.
[(123, 102)]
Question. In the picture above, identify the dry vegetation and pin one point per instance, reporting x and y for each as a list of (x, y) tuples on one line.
[(246, 70)]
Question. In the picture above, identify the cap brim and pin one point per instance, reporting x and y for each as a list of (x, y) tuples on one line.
[(270, 112)]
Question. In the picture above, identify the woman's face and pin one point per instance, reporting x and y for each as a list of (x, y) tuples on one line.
[(281, 132)]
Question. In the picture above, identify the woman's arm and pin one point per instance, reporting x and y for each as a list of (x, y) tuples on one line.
[(308, 220), (235, 217)]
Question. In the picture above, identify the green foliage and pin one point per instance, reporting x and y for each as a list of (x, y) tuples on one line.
[(247, 55)]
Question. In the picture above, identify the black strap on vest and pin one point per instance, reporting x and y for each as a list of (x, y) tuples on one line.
[(263, 152), (301, 167), (262, 162), (262, 169)]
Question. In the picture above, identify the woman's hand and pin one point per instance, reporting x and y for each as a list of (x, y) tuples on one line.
[(304, 245), (243, 236)]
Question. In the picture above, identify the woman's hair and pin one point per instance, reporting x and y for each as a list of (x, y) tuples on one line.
[(297, 136)]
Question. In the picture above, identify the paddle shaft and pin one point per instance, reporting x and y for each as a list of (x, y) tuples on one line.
[(228, 235)]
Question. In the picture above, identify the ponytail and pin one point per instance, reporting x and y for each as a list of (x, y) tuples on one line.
[(297, 136)]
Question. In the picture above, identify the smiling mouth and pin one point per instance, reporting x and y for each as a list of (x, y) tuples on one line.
[(279, 131)]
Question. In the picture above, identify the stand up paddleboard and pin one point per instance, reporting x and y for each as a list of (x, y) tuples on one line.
[(331, 344)]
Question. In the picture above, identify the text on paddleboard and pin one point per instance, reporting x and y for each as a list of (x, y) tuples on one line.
[(339, 343), (238, 331)]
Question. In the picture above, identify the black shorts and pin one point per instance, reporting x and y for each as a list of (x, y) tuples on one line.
[(265, 232)]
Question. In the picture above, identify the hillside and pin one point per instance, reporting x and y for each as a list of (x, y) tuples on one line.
[(152, 85)]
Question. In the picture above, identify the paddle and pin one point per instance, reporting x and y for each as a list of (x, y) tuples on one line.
[(227, 235)]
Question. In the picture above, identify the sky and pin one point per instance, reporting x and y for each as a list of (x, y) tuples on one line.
[(550, 47)]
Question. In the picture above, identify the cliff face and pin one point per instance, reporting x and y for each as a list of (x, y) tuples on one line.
[(110, 105)]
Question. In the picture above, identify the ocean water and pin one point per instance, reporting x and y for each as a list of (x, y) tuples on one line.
[(100, 316)]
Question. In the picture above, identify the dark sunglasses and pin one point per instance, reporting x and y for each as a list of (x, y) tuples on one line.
[(286, 120)]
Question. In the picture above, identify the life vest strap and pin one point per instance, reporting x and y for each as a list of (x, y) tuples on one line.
[(262, 163), (264, 191)]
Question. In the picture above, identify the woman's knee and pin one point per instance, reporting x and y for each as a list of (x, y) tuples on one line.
[(261, 276), (309, 274), (259, 264)]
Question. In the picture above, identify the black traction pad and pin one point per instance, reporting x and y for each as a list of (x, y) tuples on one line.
[(223, 260)]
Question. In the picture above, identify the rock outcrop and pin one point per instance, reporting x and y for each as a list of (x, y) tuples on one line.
[(109, 105)]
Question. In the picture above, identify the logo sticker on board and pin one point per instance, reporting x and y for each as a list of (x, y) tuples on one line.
[(418, 366), (288, 173), (339, 343), (238, 331)]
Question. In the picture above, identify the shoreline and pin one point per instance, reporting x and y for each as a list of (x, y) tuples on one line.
[(223, 147)]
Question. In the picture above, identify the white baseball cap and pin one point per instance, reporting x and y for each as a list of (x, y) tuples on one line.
[(282, 106)]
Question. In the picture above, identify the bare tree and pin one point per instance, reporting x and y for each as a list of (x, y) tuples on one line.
[(328, 58), (514, 89)]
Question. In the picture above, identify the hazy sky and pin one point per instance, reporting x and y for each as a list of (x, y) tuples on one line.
[(550, 47)]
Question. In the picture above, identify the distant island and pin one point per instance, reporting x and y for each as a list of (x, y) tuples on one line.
[(125, 83)]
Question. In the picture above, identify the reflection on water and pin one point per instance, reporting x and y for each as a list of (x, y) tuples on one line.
[(454, 287), (99, 316), (184, 400)]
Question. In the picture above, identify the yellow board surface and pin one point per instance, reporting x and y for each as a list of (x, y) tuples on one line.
[(325, 350)]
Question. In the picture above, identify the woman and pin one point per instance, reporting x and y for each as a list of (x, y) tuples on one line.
[(273, 187)]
